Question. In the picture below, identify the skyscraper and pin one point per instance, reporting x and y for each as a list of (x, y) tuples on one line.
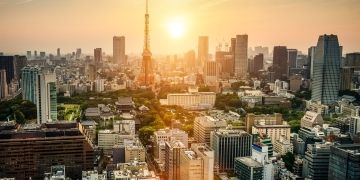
[(97, 56), (311, 54), (258, 63), (40, 89), (119, 50), (227, 145), (203, 51), (19, 63), (189, 58), (48, 101), (3, 84), (58, 52), (292, 57), (241, 56), (172, 159), (326, 71), (280, 62), (146, 76), (7, 63)]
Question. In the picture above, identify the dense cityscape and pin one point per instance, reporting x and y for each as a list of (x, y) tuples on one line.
[(241, 112)]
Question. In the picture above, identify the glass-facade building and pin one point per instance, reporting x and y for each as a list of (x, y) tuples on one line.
[(40, 89), (326, 70), (344, 162), (229, 144)]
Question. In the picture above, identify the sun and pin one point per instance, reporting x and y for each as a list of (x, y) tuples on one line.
[(176, 28)]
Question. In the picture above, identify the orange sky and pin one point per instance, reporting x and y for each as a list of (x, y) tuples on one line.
[(69, 24)]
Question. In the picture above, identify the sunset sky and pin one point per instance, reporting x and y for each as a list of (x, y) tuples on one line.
[(45, 25)]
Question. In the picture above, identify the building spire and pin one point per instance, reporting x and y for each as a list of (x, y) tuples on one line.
[(147, 36)]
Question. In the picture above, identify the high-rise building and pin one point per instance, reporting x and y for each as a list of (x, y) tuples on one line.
[(204, 125), (292, 56), (258, 63), (190, 60), (326, 71), (42, 54), (48, 98), (316, 162), (226, 60), (280, 62), (172, 159), (229, 144), (344, 162), (78, 53), (31, 152), (28, 54), (203, 51), (146, 76), (311, 55), (8, 63), (97, 56), (119, 50), (197, 162), (349, 77), (241, 56), (211, 72), (40, 89), (19, 63), (58, 52), (30, 84), (90, 71), (3, 84)]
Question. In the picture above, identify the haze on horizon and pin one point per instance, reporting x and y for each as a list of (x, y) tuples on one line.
[(45, 25)]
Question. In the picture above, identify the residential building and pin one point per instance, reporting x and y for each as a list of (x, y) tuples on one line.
[(326, 71), (316, 106), (354, 127), (134, 152), (311, 119), (283, 146), (204, 125), (271, 125), (224, 141)]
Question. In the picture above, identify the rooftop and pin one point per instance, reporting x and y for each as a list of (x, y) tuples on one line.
[(248, 162)]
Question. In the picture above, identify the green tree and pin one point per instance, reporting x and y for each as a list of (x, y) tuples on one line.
[(289, 160), (19, 117), (145, 134)]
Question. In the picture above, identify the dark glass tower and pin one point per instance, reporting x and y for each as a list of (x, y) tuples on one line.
[(326, 70)]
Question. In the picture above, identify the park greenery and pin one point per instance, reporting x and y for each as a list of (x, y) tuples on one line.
[(17, 109)]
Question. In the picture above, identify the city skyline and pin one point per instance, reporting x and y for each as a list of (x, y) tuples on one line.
[(85, 29)]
